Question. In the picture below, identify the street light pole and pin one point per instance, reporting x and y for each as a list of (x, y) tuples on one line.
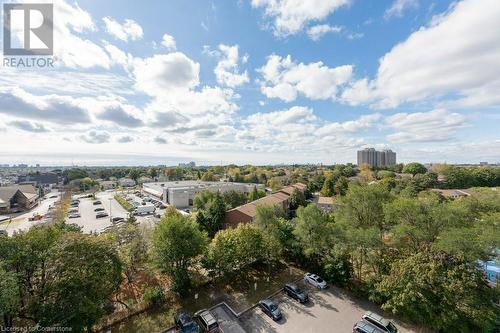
[(110, 215)]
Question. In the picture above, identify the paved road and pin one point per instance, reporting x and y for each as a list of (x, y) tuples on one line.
[(330, 310), (21, 221)]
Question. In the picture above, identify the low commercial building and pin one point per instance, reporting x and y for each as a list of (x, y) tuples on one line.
[(126, 182), (17, 198), (246, 213), (181, 193)]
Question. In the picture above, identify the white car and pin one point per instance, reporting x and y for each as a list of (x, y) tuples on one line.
[(315, 280)]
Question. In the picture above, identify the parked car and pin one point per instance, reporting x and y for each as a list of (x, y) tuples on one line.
[(380, 322), (364, 327), (185, 324), (117, 219), (100, 209), (74, 216), (101, 215), (315, 280), (97, 202), (207, 321), (36, 217), (72, 211), (271, 309), (294, 291), (75, 204)]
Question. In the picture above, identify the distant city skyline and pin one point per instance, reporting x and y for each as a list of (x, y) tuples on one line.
[(258, 82)]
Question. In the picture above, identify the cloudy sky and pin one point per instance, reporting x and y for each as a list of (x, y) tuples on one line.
[(260, 81)]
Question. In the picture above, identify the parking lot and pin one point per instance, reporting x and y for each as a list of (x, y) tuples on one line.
[(330, 310)]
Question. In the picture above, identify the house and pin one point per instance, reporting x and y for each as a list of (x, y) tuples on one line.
[(126, 182), (326, 204), (107, 184), (144, 179), (289, 189), (453, 194), (17, 198), (46, 180), (247, 212)]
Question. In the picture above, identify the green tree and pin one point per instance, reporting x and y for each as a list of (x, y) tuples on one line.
[(445, 293), (10, 301), (256, 194), (362, 207), (208, 176), (414, 168), (234, 199), (81, 275), (232, 250), (132, 248), (202, 199), (134, 174), (267, 219), (341, 186), (177, 244), (313, 231), (213, 215), (297, 199), (337, 269)]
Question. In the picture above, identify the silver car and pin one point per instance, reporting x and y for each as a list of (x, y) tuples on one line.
[(315, 280)]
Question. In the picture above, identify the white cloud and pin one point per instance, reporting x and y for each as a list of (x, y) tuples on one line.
[(398, 7), (71, 46), (318, 31), (161, 141), (285, 79), (28, 126), (129, 29), (227, 70), (125, 139), (454, 59), (57, 109), (95, 137), (163, 73), (435, 125), (362, 123), (296, 114), (291, 16), (169, 42)]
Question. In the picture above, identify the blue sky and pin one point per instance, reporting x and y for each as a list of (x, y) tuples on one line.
[(261, 81)]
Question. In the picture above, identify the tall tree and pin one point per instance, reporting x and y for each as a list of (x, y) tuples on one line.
[(313, 230), (362, 207), (177, 244), (82, 274), (445, 293), (10, 300), (414, 168)]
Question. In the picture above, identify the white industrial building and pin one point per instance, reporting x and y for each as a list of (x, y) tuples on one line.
[(181, 193)]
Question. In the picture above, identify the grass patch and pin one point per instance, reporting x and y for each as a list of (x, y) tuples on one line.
[(124, 203)]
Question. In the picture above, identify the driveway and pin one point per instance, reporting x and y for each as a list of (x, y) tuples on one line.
[(331, 310)]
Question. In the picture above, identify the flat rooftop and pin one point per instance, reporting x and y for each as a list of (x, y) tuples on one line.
[(159, 186)]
